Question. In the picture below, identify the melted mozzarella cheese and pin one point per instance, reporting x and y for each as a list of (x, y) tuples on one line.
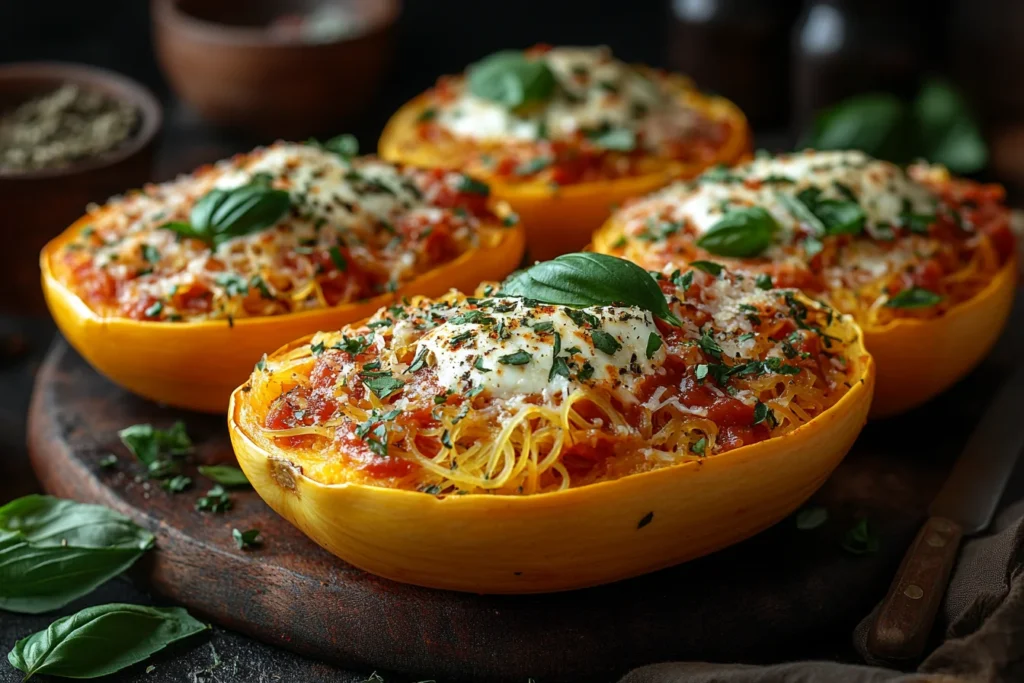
[(470, 354), (594, 91), (330, 188), (882, 189), (335, 202)]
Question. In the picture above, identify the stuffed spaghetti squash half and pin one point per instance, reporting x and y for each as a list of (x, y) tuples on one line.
[(584, 423), (176, 290), (564, 134), (924, 262)]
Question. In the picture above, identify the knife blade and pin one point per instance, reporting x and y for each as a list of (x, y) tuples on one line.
[(964, 505), (975, 484)]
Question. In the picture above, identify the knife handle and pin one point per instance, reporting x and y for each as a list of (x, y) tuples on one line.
[(905, 619)]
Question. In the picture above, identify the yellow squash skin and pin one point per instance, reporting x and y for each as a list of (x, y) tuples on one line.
[(196, 365), (568, 539), (918, 359), (561, 220)]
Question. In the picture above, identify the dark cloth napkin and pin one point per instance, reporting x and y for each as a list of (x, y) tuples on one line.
[(981, 625)]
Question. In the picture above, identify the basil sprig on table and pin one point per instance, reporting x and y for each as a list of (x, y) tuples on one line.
[(915, 297), (510, 79), (586, 279), (158, 449), (55, 551), (221, 215), (741, 232), (102, 640)]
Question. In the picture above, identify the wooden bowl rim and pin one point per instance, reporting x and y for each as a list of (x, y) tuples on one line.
[(169, 16), (112, 83)]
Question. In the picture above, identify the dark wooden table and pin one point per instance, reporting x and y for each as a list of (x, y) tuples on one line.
[(226, 656)]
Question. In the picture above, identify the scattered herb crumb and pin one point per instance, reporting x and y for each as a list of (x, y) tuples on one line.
[(215, 500), (861, 539), (177, 484), (811, 518), (246, 539)]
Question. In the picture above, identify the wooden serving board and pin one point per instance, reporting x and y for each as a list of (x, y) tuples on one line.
[(771, 597)]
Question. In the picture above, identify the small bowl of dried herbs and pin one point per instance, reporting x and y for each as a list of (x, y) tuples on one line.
[(69, 135)]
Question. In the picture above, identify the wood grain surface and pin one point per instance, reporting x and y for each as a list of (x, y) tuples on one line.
[(784, 587)]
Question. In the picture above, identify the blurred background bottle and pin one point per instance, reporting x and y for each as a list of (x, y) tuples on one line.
[(986, 58), (736, 48), (846, 47)]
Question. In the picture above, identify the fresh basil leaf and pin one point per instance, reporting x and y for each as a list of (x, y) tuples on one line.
[(949, 135), (741, 232), (825, 216), (840, 217), (215, 500), (102, 640), (587, 279), (225, 475), (709, 267), (345, 146), (874, 123), (220, 215), (184, 229), (615, 139), (147, 443), (55, 551), (511, 79), (915, 297)]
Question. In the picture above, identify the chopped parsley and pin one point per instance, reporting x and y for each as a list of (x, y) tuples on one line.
[(470, 185), (150, 253), (605, 342), (709, 267), (517, 358), (915, 297), (420, 361), (683, 281), (654, 342), (382, 384), (354, 345), (338, 259)]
